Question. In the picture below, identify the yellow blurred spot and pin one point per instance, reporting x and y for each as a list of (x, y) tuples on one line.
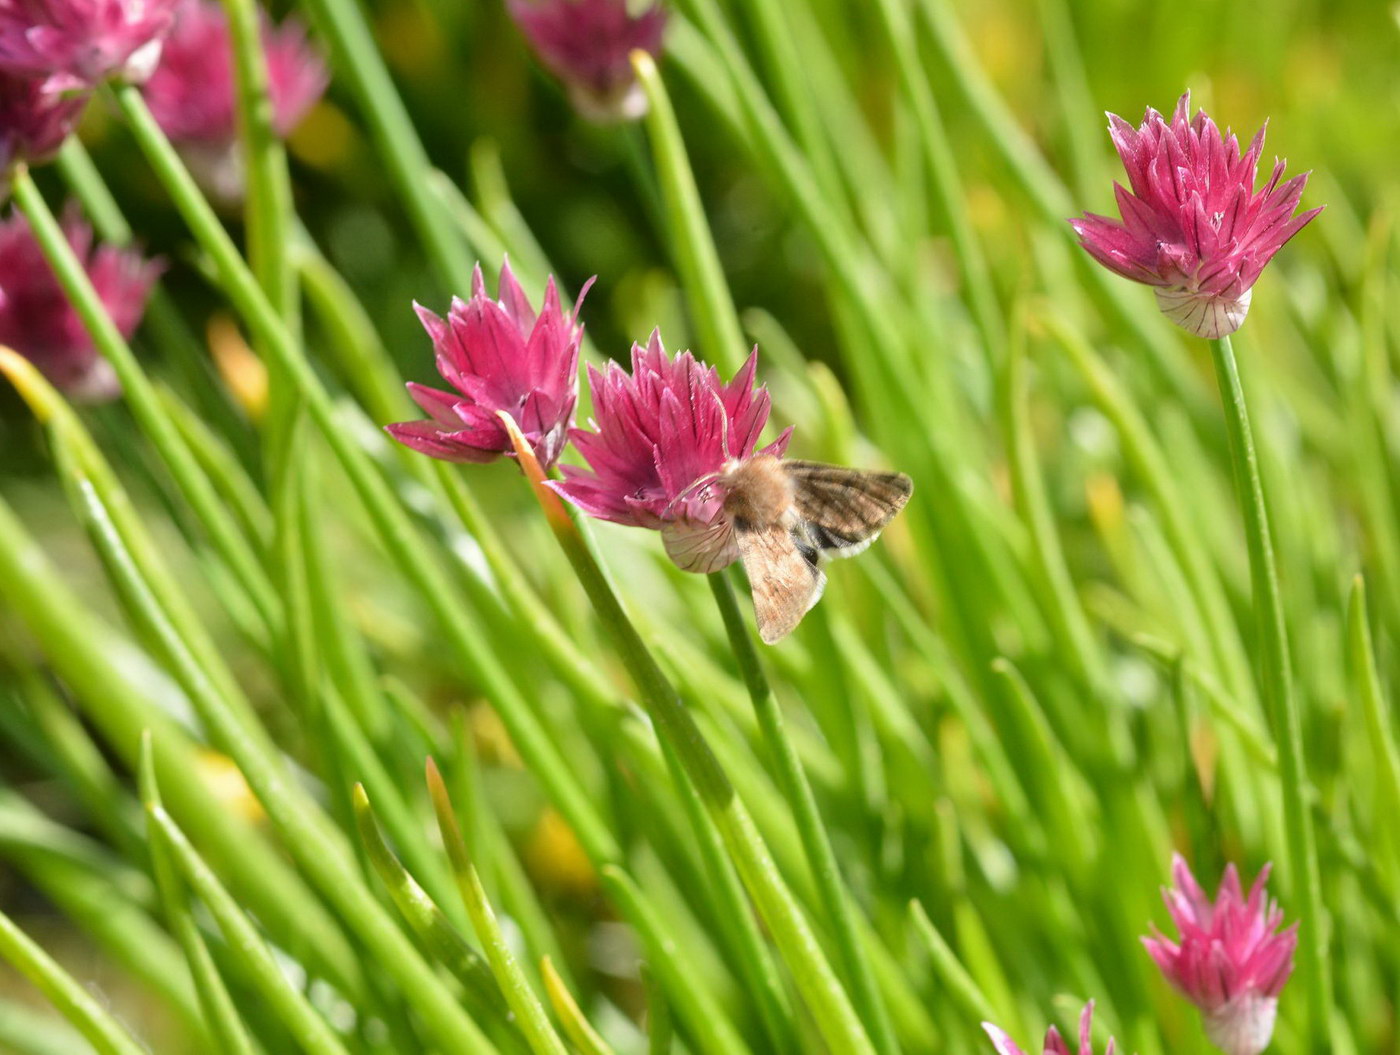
[(324, 138), (1105, 503), (226, 781), (410, 39), (493, 744), (243, 372), (554, 857), (1204, 750)]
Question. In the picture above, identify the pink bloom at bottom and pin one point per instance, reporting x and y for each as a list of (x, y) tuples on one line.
[(37, 321), (1054, 1043), (1232, 960), (1193, 225)]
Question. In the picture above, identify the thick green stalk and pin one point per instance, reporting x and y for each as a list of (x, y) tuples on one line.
[(1282, 703), (530, 1015), (361, 67), (816, 981), (141, 397), (80, 1007), (821, 858), (941, 160), (224, 1024), (400, 538), (716, 322)]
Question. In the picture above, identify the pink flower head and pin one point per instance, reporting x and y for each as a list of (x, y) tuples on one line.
[(191, 91), (1193, 224), (587, 44), (662, 436), (72, 45), (498, 356), (1054, 1043), (1232, 959), (37, 321), (33, 123)]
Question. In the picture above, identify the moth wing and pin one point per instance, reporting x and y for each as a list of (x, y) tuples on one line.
[(844, 510), (701, 548), (783, 577)]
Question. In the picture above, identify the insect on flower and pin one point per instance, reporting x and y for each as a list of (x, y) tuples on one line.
[(787, 516), (674, 450)]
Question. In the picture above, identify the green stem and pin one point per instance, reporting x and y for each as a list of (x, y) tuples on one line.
[(390, 520), (141, 397), (80, 1007), (821, 858), (361, 67), (716, 322), (835, 1016), (1279, 696)]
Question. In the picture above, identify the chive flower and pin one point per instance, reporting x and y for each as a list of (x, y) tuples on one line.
[(498, 355), (191, 93), (33, 122), (37, 321), (73, 45), (661, 437), (588, 44), (1193, 224), (1054, 1043), (1231, 961)]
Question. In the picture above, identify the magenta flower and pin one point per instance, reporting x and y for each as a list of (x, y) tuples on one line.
[(587, 44), (1054, 1043), (1193, 224), (72, 45), (1232, 960), (37, 321), (662, 435), (191, 92), (498, 356), (33, 123)]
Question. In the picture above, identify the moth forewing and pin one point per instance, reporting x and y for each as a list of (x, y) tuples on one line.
[(840, 510), (785, 581)]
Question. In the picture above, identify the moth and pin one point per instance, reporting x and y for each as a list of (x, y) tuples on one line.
[(788, 515)]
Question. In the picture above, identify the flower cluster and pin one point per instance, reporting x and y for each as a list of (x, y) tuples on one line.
[(33, 122), (662, 434), (75, 45), (1231, 961), (1054, 1043), (37, 321), (191, 93), (588, 44), (498, 355), (1193, 225)]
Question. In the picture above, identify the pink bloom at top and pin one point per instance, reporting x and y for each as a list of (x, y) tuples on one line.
[(1232, 959), (587, 44), (1194, 226), (1054, 1043), (191, 93), (498, 355), (73, 45), (33, 123), (37, 321), (662, 435)]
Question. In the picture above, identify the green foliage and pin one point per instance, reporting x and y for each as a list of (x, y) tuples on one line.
[(1113, 621)]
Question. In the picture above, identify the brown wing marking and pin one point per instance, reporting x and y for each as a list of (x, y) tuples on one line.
[(845, 509), (784, 582)]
